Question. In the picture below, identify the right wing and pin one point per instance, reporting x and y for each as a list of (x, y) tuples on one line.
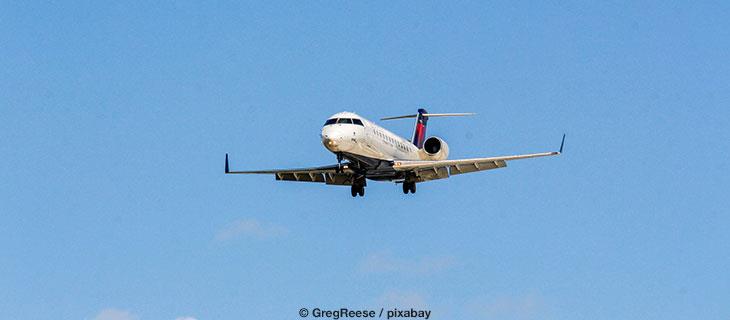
[(325, 174)]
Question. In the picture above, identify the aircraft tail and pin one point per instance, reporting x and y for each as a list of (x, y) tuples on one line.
[(419, 132)]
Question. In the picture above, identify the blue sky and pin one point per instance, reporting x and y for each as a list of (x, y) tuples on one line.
[(116, 117)]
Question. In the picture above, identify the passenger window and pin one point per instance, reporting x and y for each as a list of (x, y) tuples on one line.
[(357, 122), (343, 120), (330, 121)]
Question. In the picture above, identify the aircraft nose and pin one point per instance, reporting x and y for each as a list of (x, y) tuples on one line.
[(333, 140), (329, 140), (330, 144)]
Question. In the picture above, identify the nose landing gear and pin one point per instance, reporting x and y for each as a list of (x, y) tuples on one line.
[(339, 163)]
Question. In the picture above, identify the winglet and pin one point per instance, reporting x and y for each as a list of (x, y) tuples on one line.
[(227, 171), (562, 143)]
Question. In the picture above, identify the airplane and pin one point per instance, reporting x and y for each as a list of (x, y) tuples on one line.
[(374, 153)]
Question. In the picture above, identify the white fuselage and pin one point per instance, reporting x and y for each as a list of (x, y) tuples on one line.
[(367, 139)]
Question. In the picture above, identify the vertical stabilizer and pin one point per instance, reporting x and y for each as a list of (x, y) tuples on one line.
[(419, 132)]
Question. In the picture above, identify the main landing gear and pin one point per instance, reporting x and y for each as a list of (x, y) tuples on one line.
[(409, 187), (356, 190), (358, 187)]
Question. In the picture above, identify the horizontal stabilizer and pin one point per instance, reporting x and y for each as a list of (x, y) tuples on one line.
[(449, 114), (430, 115)]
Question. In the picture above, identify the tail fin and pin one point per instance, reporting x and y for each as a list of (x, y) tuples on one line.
[(419, 132)]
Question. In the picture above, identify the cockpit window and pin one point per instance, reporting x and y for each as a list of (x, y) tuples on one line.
[(344, 120)]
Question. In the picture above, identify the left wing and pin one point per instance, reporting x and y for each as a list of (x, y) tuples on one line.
[(431, 170), (325, 174)]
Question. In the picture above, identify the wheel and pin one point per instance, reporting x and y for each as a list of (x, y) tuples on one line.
[(405, 188), (356, 190), (413, 187)]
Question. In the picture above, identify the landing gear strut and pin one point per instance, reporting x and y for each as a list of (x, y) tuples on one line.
[(339, 163), (409, 187)]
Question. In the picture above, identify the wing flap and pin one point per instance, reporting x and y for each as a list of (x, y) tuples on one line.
[(433, 173), (445, 171), (328, 178), (300, 176), (476, 166)]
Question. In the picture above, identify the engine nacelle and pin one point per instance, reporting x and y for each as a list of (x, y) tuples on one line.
[(434, 148)]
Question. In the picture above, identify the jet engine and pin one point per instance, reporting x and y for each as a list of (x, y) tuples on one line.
[(434, 148)]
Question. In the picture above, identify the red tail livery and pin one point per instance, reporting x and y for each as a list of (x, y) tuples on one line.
[(419, 133)]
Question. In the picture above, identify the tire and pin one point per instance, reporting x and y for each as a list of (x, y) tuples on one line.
[(353, 191), (413, 187), (361, 192), (406, 188)]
